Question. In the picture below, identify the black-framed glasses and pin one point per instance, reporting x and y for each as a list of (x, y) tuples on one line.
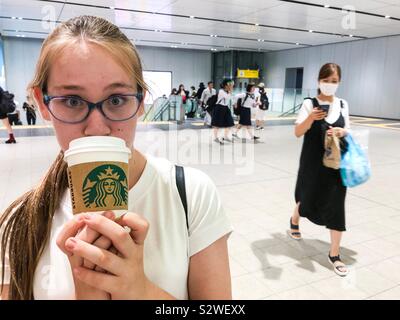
[(73, 109)]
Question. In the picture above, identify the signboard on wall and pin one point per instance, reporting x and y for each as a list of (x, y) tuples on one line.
[(247, 73)]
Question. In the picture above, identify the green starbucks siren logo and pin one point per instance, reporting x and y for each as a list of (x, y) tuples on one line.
[(105, 186)]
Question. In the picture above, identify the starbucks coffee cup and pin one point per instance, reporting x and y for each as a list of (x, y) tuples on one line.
[(98, 174)]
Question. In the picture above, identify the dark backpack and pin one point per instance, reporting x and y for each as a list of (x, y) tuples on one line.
[(7, 104), (264, 102), (239, 104), (212, 101)]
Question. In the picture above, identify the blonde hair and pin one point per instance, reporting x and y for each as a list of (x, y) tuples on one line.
[(27, 221)]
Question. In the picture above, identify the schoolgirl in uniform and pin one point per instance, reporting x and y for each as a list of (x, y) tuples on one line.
[(222, 114), (248, 103)]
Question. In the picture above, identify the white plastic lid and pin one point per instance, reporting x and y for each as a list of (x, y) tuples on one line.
[(111, 148)]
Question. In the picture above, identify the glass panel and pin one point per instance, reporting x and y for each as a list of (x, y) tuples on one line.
[(2, 69)]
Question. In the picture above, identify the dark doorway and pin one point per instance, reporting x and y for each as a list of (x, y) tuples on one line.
[(294, 78), (293, 89)]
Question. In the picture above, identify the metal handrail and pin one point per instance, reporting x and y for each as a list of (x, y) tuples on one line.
[(150, 109), (292, 111), (165, 106), (148, 112)]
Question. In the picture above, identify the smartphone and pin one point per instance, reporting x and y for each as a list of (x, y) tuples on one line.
[(324, 107)]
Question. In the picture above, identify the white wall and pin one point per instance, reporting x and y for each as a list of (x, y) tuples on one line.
[(370, 72), (20, 56), (189, 67)]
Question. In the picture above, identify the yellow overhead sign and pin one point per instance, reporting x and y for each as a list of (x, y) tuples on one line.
[(250, 74)]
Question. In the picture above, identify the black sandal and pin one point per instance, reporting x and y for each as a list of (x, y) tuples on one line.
[(339, 265), (294, 235)]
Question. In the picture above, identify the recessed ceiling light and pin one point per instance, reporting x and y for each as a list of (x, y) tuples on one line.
[(13, 18), (297, 43), (257, 24), (387, 17), (174, 47), (20, 18), (191, 17), (351, 36), (259, 40), (310, 30), (112, 8), (327, 6)]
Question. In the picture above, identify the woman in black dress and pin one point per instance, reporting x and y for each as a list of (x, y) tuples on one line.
[(320, 194), (30, 110), (222, 115)]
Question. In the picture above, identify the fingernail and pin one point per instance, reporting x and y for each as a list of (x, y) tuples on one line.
[(71, 243), (87, 216), (109, 214)]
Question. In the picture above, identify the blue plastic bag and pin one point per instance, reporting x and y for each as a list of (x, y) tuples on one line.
[(355, 168)]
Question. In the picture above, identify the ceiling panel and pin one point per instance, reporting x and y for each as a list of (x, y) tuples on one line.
[(393, 11), (255, 4), (150, 21), (304, 10), (29, 9), (284, 18), (70, 11), (377, 31), (208, 9), (360, 5), (24, 25), (209, 20)]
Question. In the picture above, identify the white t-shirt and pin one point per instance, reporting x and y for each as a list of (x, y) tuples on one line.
[(168, 246), (333, 114), (207, 94), (224, 98)]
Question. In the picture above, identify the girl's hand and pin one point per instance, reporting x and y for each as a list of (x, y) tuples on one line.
[(76, 227), (317, 114), (125, 278), (339, 132)]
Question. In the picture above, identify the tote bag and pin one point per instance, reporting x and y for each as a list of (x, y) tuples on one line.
[(355, 168)]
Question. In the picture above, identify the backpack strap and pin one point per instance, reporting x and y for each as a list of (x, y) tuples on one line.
[(245, 98), (180, 184)]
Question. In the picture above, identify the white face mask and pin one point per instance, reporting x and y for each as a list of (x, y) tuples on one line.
[(328, 89)]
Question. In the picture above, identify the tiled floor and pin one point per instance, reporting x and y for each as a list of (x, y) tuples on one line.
[(257, 192)]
